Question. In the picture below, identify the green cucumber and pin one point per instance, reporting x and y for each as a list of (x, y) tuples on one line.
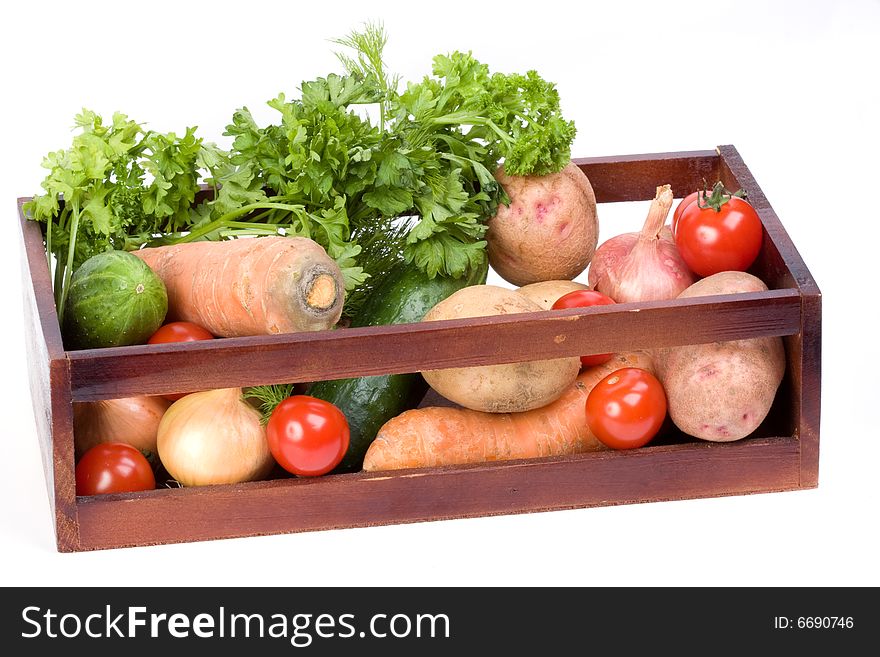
[(369, 402)]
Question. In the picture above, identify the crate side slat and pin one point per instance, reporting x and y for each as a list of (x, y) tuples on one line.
[(770, 265), (810, 388), (41, 281), (735, 174), (49, 378), (366, 499), (66, 522), (803, 351), (636, 177), (39, 378), (162, 369)]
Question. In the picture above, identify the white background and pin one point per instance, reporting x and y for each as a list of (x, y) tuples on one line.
[(792, 84)]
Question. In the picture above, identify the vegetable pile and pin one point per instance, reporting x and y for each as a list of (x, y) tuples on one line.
[(327, 219)]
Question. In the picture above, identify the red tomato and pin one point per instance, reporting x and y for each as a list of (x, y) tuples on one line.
[(307, 436), (113, 468), (712, 241), (686, 201), (179, 332), (582, 299), (626, 409)]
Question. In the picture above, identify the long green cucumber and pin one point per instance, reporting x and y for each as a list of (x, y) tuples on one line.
[(369, 402)]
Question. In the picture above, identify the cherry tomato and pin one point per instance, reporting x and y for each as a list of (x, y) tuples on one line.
[(113, 468), (307, 436), (626, 409), (712, 241), (582, 299), (179, 332), (686, 201)]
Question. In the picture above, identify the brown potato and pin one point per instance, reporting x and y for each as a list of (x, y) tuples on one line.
[(506, 388), (548, 232), (721, 391), (545, 293)]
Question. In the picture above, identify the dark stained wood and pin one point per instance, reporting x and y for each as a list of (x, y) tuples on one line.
[(769, 266), (39, 378), (66, 524), (40, 281), (636, 177), (810, 389), (687, 469), (803, 351), (363, 499), (50, 386), (184, 367), (735, 174)]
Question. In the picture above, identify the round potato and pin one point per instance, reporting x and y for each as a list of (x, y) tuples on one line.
[(545, 293), (550, 229), (721, 391), (725, 282), (506, 388)]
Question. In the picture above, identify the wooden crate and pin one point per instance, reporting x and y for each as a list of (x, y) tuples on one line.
[(782, 455)]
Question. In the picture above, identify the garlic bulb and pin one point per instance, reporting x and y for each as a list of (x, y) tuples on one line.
[(213, 437), (643, 266)]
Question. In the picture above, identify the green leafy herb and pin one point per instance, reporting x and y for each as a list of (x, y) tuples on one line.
[(432, 158), (447, 135), (418, 187), (268, 397), (102, 180)]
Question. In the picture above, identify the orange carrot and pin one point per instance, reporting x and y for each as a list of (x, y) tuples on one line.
[(250, 286), (433, 436)]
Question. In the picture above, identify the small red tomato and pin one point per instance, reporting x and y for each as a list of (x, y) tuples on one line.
[(179, 332), (626, 409), (307, 436), (583, 299), (724, 235), (113, 468), (681, 207)]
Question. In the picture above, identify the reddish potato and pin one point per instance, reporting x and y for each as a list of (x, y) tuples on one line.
[(721, 391), (550, 229)]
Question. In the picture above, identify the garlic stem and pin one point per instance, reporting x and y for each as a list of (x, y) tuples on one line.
[(657, 213)]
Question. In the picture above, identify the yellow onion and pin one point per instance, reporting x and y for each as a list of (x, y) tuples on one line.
[(213, 437), (131, 420)]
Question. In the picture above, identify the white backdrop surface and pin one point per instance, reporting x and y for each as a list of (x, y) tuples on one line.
[(791, 84)]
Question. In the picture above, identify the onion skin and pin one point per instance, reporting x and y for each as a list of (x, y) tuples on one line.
[(214, 437), (643, 266), (131, 420)]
